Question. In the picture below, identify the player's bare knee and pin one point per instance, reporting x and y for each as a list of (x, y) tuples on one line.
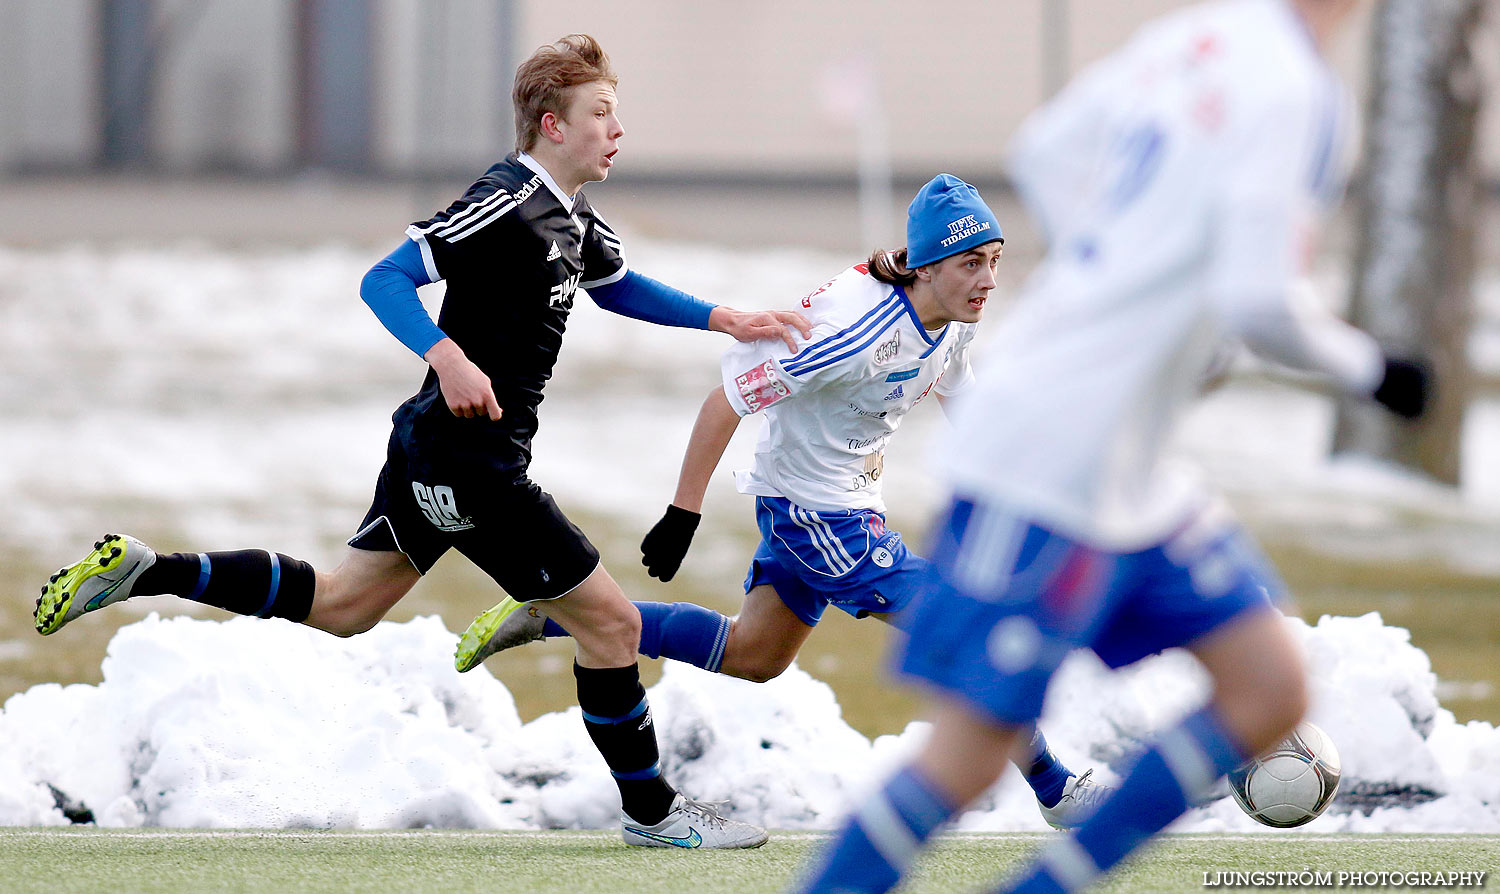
[(747, 657), (620, 626), (1260, 713), (757, 669)]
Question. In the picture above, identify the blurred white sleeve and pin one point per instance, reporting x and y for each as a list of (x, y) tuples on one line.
[(1296, 330), (1264, 238), (1052, 158)]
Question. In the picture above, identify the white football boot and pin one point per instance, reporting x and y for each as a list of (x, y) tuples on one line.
[(693, 824), (104, 577), (504, 626), (1080, 798)]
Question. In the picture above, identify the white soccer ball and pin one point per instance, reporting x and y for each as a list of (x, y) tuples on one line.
[(1292, 783)]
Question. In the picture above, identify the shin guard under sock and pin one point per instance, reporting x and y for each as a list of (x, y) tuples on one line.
[(618, 719), (246, 582)]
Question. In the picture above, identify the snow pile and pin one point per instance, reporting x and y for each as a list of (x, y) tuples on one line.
[(259, 724)]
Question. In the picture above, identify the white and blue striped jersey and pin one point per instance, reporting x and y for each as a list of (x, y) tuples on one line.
[(832, 406), (1179, 181)]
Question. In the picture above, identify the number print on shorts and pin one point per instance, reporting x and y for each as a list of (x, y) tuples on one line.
[(441, 509)]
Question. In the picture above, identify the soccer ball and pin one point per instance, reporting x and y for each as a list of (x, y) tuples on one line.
[(1292, 783)]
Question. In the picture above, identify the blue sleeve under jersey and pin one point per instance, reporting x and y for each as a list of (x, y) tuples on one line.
[(390, 288), (643, 298)]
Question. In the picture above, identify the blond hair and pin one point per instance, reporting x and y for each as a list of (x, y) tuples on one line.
[(543, 82)]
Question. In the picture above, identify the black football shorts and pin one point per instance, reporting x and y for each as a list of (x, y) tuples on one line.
[(500, 521)]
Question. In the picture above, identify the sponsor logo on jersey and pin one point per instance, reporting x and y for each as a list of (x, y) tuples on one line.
[(761, 386), (526, 190), (963, 228), (861, 411), (554, 252), (562, 293), (882, 557), (438, 504), (901, 375), (886, 351), (896, 394)]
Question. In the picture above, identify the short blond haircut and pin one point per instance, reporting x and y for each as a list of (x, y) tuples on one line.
[(543, 82)]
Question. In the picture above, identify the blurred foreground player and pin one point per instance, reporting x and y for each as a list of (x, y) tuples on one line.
[(514, 250), (1178, 182)]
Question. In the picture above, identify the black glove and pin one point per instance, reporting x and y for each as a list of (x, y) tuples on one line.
[(1406, 387), (668, 542)]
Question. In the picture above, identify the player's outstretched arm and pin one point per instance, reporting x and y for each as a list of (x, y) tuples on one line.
[(465, 386), (755, 325), (667, 543), (1293, 329)]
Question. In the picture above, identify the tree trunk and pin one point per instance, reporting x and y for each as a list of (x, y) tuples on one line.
[(1417, 206)]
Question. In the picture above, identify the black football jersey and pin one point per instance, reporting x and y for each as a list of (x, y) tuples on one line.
[(513, 250)]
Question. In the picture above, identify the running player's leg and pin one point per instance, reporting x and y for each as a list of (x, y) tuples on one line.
[(361, 590), (962, 758), (393, 546), (764, 637), (1066, 798), (348, 600), (1260, 684), (1209, 590), (1005, 604), (1259, 695), (522, 539), (757, 644), (617, 716)]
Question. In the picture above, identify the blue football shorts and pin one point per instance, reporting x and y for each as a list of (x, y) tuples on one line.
[(1009, 600), (847, 558)]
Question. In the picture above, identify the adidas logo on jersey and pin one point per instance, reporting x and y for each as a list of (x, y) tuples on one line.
[(554, 252), (895, 394)]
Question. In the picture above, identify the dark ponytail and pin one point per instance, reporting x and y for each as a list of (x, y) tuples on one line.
[(889, 267)]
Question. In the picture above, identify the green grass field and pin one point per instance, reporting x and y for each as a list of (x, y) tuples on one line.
[(61, 860)]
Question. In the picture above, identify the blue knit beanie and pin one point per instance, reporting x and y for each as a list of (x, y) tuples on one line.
[(947, 217)]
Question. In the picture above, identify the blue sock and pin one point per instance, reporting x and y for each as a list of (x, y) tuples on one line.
[(684, 632), (878, 842), (1183, 763), (681, 631), (1043, 771)]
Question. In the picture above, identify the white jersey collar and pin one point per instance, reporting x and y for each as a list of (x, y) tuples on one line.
[(565, 200), (932, 337)]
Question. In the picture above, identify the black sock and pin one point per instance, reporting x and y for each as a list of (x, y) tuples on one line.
[(618, 719), (246, 582)]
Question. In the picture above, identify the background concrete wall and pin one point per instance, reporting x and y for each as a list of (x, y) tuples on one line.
[(776, 89)]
